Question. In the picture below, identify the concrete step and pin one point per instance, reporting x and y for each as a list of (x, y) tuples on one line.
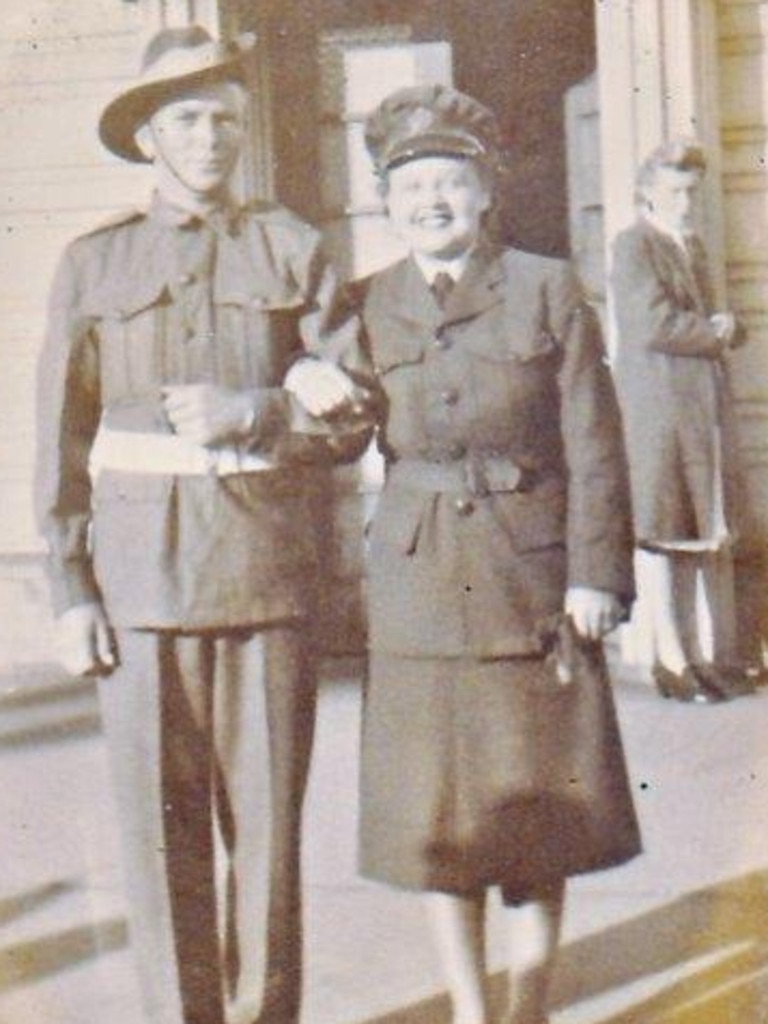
[(40, 701)]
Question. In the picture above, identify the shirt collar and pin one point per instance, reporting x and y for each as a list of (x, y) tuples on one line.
[(430, 266), (680, 239), (165, 212)]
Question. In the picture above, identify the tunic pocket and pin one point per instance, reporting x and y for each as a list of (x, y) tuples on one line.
[(517, 346), (396, 351), (265, 335), (534, 520), (131, 337), (398, 520)]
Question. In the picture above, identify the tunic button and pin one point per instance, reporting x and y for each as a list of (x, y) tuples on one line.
[(442, 342), (450, 396), (457, 450), (464, 506)]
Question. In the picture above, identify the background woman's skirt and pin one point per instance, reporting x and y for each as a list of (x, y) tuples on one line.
[(478, 773)]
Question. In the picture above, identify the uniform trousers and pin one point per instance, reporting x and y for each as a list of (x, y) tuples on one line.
[(209, 737)]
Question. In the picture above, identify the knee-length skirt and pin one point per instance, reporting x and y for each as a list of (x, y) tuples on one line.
[(481, 773)]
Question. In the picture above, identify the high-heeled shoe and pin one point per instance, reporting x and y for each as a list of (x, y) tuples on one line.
[(730, 681), (686, 686)]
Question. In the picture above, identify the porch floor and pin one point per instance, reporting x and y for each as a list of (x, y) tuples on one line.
[(680, 935)]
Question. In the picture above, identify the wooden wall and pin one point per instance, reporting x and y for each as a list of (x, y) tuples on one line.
[(60, 60)]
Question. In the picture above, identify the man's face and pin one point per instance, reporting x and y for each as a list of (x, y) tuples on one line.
[(671, 197), (436, 204), (198, 137)]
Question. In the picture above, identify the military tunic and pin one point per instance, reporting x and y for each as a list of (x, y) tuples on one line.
[(505, 484), (162, 299)]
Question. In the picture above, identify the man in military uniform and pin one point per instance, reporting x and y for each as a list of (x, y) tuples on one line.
[(172, 491)]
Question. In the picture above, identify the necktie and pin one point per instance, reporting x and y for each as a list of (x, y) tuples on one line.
[(688, 245), (441, 288), (697, 266)]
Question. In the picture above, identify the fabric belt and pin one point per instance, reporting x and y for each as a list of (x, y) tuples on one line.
[(476, 475), (168, 455)]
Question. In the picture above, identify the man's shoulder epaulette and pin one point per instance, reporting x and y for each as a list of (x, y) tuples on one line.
[(116, 220), (278, 217)]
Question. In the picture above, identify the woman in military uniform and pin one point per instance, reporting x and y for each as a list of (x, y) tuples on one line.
[(499, 556)]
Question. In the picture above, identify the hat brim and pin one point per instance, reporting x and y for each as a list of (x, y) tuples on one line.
[(125, 114), (433, 144)]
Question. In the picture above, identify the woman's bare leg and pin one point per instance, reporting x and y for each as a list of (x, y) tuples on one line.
[(458, 925), (664, 604), (533, 934)]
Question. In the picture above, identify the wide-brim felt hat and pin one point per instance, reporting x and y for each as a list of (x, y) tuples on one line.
[(430, 120), (174, 60)]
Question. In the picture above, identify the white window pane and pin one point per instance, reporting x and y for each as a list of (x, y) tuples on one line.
[(371, 72), (363, 244), (356, 75)]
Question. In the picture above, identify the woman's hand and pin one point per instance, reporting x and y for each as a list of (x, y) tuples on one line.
[(593, 612), (321, 388)]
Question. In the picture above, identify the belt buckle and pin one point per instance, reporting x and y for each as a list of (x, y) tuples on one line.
[(491, 475), (210, 462), (503, 475), (227, 461)]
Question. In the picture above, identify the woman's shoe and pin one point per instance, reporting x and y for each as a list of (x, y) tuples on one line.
[(730, 681), (686, 686)]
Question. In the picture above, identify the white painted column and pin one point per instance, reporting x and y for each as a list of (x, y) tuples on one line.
[(692, 105), (657, 62), (616, 79)]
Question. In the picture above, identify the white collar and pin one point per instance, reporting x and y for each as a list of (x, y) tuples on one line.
[(430, 266), (680, 239)]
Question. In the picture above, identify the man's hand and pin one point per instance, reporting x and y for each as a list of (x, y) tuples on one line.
[(593, 612), (84, 641), (322, 388), (724, 326), (206, 413)]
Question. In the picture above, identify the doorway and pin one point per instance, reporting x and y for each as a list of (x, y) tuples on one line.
[(518, 56)]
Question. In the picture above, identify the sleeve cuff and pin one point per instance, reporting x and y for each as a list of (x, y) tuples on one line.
[(72, 583)]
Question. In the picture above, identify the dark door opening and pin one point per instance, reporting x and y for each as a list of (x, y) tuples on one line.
[(518, 56)]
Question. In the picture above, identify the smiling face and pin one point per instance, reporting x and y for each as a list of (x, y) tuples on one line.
[(671, 197), (196, 139), (436, 204)]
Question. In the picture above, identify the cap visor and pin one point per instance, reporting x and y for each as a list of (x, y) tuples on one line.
[(459, 146)]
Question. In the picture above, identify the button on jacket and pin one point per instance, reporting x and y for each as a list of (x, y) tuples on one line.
[(163, 298), (511, 374)]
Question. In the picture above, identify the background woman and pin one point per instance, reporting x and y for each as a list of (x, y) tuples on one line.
[(672, 380)]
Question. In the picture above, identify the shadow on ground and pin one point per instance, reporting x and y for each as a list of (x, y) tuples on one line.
[(24, 962), (716, 937)]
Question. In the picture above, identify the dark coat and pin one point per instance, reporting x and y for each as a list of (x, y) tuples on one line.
[(673, 387), (143, 302), (512, 370)]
